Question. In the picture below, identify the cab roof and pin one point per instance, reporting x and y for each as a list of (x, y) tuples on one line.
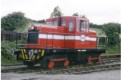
[(74, 17)]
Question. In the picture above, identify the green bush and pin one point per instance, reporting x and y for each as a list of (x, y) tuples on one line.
[(7, 56), (14, 21), (112, 31)]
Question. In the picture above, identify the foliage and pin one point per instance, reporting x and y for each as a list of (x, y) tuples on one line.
[(56, 12), (13, 21), (95, 26), (37, 21), (41, 21), (76, 14), (6, 55), (112, 31), (6, 48), (98, 31)]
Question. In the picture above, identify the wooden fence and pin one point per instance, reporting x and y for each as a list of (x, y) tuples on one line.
[(10, 36)]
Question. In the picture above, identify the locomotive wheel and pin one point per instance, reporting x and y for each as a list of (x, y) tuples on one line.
[(51, 64), (66, 63), (45, 62)]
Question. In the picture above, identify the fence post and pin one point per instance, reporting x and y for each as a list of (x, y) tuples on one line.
[(16, 40)]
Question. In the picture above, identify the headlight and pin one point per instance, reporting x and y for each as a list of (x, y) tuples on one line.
[(32, 27)]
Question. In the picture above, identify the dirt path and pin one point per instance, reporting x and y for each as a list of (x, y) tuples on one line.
[(105, 75)]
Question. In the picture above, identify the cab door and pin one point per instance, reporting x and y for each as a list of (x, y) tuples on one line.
[(70, 36), (82, 34), (61, 25), (61, 31)]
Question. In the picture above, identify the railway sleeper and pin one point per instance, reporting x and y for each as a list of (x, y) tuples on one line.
[(93, 60)]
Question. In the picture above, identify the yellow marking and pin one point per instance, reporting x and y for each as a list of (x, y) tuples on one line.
[(38, 57), (39, 50), (22, 53), (42, 54), (33, 57), (30, 57), (26, 56)]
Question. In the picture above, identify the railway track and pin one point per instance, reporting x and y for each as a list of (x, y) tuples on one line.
[(82, 70), (69, 70), (106, 63)]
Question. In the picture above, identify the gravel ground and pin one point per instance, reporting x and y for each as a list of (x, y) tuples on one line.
[(104, 75)]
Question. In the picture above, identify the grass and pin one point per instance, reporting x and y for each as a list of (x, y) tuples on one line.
[(113, 49), (7, 61)]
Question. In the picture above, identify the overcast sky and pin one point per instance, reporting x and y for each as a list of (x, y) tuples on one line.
[(97, 11)]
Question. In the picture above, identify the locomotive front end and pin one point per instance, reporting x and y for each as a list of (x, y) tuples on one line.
[(30, 52)]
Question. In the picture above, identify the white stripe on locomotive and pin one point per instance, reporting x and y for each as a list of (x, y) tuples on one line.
[(61, 37)]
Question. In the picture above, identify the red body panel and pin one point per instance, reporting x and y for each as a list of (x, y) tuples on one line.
[(60, 37)]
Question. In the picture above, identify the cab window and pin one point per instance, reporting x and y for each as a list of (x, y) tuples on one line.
[(55, 23), (83, 25), (63, 23), (71, 25), (49, 23)]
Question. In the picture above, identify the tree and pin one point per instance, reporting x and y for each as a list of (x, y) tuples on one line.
[(41, 21), (76, 14), (92, 25), (13, 21), (83, 16), (56, 12), (112, 31)]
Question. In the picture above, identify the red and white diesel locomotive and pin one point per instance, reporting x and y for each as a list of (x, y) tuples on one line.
[(61, 41)]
